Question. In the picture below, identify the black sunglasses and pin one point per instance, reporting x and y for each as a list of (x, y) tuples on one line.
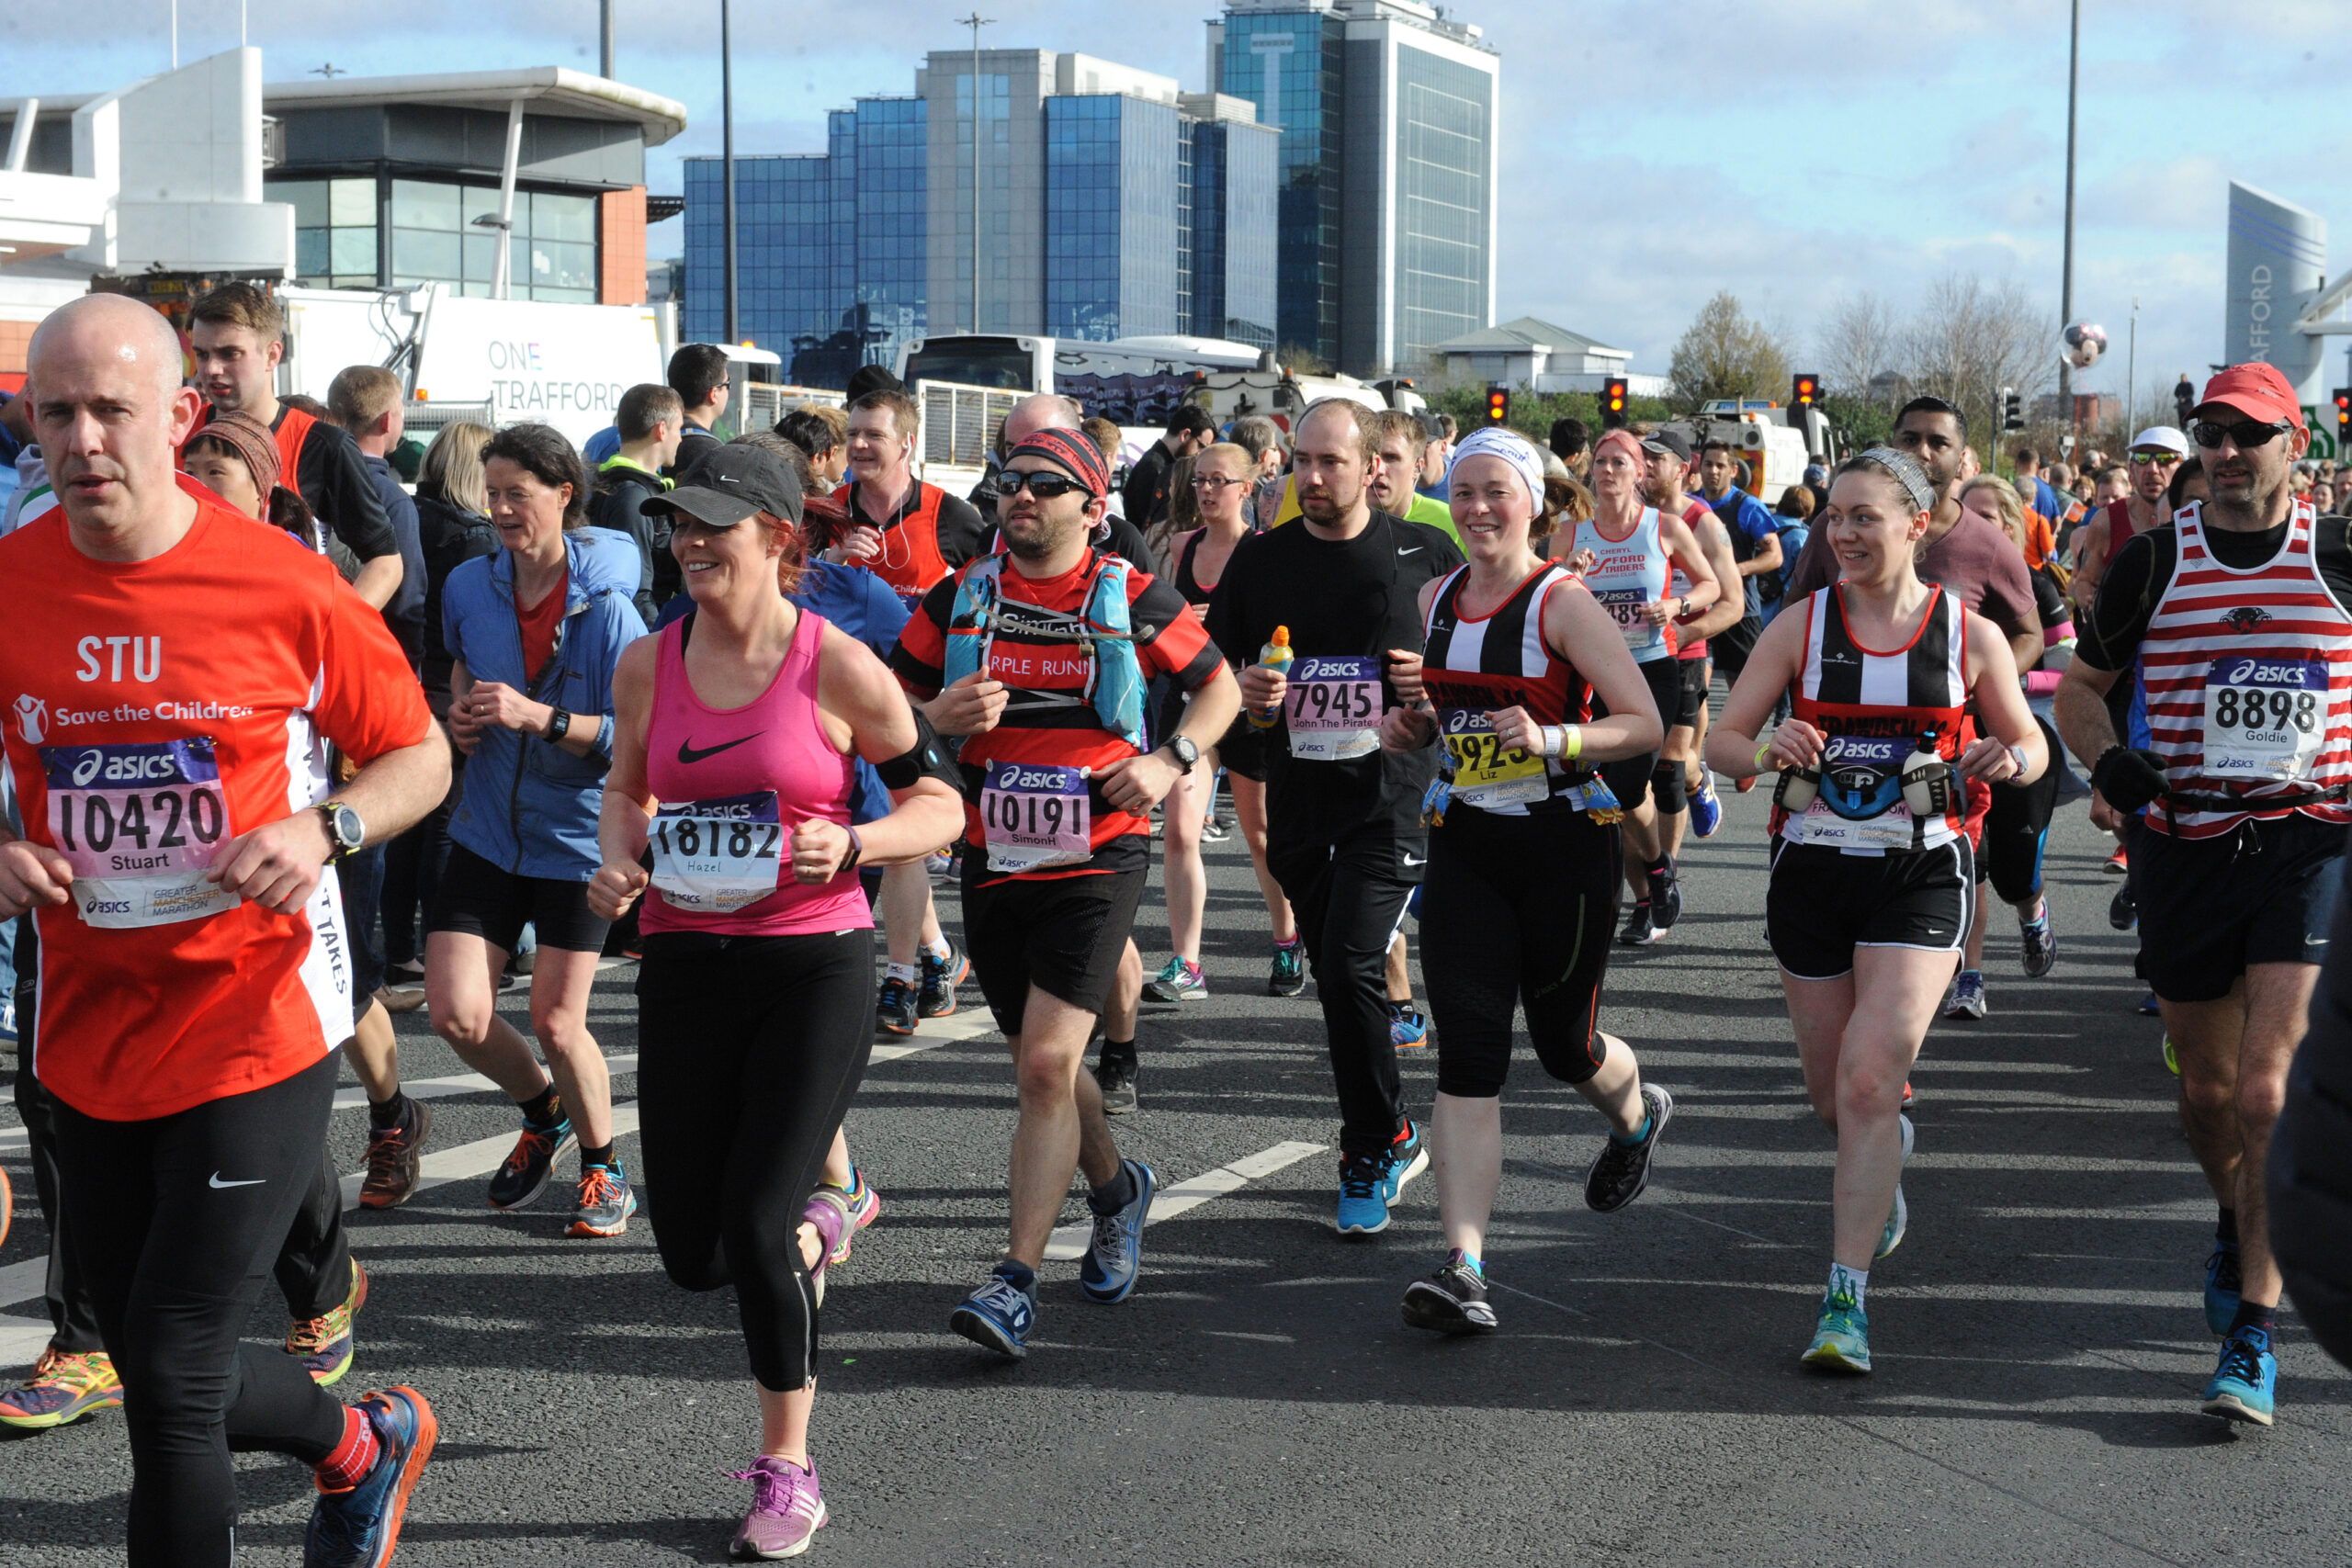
[(2244, 436), (1042, 485)]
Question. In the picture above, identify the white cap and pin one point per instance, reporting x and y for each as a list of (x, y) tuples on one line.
[(2164, 436)]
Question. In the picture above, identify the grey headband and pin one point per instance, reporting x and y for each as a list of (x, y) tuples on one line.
[(1904, 470)]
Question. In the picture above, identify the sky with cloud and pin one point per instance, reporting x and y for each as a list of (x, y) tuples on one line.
[(1796, 152)]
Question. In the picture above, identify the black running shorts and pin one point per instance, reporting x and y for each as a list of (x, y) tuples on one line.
[(479, 898), (1064, 935), (2210, 907), (1690, 692), (1628, 778), (1822, 904)]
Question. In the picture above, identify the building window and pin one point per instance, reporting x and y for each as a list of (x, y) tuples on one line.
[(335, 230), (435, 238)]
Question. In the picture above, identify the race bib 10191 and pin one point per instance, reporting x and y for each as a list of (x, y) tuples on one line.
[(1035, 817)]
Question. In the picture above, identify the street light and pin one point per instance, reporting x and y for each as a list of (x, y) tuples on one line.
[(975, 22)]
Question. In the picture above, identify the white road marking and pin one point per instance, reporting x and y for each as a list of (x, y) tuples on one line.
[(1070, 1241)]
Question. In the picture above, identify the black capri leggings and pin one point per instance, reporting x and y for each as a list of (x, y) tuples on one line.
[(1517, 910), (751, 1050), (1630, 778), (2016, 826)]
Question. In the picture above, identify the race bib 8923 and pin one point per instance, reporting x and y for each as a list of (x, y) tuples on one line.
[(139, 822)]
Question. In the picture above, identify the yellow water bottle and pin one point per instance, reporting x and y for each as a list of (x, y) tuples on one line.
[(1275, 656)]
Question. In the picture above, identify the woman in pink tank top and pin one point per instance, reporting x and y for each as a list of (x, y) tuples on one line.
[(731, 772)]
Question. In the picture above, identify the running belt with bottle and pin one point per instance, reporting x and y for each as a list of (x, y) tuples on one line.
[(2247, 685), (1893, 722), (732, 784), (1475, 665), (1627, 574)]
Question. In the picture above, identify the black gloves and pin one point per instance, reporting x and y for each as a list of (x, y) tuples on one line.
[(2127, 779)]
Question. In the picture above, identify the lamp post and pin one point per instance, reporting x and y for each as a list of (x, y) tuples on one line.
[(975, 22), (727, 149), (2067, 283)]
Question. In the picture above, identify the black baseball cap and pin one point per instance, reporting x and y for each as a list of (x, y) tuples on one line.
[(1667, 440), (733, 484)]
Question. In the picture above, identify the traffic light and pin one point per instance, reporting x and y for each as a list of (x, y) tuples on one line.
[(1807, 393), (2012, 410), (2343, 416), (1612, 403), (1498, 405)]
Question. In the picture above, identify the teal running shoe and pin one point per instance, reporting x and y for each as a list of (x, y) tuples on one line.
[(1363, 1197), (998, 1316), (1898, 1219), (1408, 1157), (1179, 980), (1841, 1340), (2222, 1285), (2245, 1384), (1288, 976)]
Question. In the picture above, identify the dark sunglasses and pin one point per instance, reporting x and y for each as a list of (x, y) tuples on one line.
[(1044, 486), (2141, 459), (2244, 436)]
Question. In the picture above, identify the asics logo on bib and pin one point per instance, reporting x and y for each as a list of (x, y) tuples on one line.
[(125, 768), (690, 754), (146, 657), (1037, 778), (2246, 670)]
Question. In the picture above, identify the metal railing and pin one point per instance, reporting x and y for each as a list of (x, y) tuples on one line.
[(426, 420), (960, 423)]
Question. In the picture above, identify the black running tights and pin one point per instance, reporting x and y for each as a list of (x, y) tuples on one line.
[(752, 1048), (177, 1223)]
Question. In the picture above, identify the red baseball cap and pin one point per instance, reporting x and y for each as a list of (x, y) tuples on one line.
[(2254, 389)]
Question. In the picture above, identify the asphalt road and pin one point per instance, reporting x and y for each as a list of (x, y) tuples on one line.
[(2039, 1342)]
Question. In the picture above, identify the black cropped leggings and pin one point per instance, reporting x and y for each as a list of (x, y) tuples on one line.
[(1517, 912), (751, 1049)]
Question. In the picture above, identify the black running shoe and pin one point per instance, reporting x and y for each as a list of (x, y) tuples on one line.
[(1666, 898), (1638, 932), (2123, 911), (893, 1009), (1452, 1301), (935, 996), (1117, 1080), (1621, 1172), (517, 1183)]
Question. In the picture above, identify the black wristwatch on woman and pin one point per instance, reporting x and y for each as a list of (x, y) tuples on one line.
[(559, 724)]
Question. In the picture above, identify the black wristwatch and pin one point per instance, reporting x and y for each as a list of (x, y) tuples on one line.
[(559, 724), (1184, 752), (343, 825)]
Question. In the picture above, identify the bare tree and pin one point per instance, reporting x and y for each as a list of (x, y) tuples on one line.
[(1860, 342), (1725, 353), (1968, 339)]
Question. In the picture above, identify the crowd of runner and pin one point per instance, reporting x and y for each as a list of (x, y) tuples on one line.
[(720, 707)]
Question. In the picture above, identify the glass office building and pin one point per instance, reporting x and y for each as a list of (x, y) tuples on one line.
[(1114, 263)]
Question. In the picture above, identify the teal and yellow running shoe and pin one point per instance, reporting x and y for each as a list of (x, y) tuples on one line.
[(1841, 1340)]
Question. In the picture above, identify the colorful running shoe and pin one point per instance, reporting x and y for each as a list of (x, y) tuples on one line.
[(358, 1529), (2038, 943), (786, 1509), (1452, 1301), (2118, 863), (65, 1387), (865, 1207), (323, 1344), (893, 1009), (2246, 1383), (606, 1201), (1362, 1208), (997, 1316), (826, 1213), (1114, 1258), (1287, 977), (935, 985), (1408, 1030), (528, 1170), (396, 1158), (1706, 808), (2151, 1008), (1408, 1157), (2172, 1058), (1179, 980), (1898, 1218), (1620, 1171), (1965, 1000), (1841, 1336), (2224, 1286)]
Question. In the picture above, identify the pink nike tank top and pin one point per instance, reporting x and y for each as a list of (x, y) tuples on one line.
[(732, 784)]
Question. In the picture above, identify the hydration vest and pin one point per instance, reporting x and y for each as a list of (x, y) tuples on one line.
[(1114, 676)]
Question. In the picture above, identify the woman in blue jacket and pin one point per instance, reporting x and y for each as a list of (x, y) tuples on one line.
[(534, 632)]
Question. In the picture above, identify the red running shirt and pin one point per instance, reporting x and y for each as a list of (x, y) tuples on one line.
[(538, 623), (156, 710)]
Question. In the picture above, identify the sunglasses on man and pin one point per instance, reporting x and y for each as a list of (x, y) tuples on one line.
[(2244, 436), (2161, 460), (1043, 485)]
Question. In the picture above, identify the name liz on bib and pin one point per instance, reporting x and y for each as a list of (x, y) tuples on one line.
[(716, 856), (1486, 773), (139, 823), (1333, 708)]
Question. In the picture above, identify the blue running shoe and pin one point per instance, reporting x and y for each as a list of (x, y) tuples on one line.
[(1841, 1339), (1408, 1157), (1408, 1030), (1364, 1195), (1898, 1218), (359, 1528), (2221, 1287), (1706, 810), (998, 1316), (2245, 1384), (1116, 1255)]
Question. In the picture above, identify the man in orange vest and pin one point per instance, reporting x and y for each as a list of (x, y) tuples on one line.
[(238, 335), (908, 533)]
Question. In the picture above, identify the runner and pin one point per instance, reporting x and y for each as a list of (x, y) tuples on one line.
[(1344, 832), (533, 650), (1872, 873), (1755, 541), (1221, 482), (2231, 792), (1655, 846), (1521, 894), (735, 731), (1627, 553), (1059, 790), (189, 1018)]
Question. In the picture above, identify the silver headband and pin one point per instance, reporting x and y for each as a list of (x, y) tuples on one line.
[(1905, 470)]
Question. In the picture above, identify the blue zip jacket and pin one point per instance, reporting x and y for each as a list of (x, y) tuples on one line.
[(528, 804)]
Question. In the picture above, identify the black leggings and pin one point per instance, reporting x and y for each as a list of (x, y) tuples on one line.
[(1630, 778), (751, 1050), (1349, 899), (1518, 910), (2017, 826), (177, 1223)]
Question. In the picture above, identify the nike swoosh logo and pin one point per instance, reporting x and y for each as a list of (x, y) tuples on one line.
[(1414, 551), (689, 755), (257, 1181), (1414, 859)]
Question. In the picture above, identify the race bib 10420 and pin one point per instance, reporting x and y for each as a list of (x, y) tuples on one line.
[(716, 856), (1334, 708), (139, 822)]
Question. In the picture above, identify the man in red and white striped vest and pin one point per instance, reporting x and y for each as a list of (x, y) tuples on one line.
[(2233, 798)]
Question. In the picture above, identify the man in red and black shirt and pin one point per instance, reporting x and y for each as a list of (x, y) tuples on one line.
[(910, 534), (1059, 797)]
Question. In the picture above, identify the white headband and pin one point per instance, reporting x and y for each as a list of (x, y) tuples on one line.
[(1495, 441)]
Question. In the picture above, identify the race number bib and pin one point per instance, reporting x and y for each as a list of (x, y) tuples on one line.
[(1334, 708), (1625, 606), (1860, 806), (1034, 816), (1485, 773), (715, 856), (2266, 720), (139, 822)]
